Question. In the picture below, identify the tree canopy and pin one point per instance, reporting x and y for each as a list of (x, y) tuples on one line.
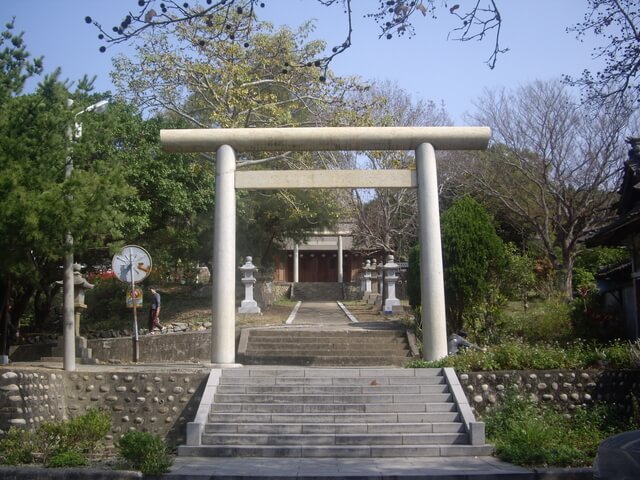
[(552, 166), (40, 204), (615, 22), (224, 84), (473, 257)]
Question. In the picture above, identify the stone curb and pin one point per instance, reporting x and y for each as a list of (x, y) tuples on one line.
[(37, 473)]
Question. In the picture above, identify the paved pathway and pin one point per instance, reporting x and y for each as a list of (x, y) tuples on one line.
[(320, 314), (451, 468)]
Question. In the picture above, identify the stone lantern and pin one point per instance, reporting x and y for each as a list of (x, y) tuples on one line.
[(248, 305), (80, 286), (367, 279), (391, 304), (380, 268), (374, 276)]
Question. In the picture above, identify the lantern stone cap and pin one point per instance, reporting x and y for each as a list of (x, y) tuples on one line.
[(78, 279), (248, 265)]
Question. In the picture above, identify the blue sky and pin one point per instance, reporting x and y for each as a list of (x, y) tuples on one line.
[(428, 66)]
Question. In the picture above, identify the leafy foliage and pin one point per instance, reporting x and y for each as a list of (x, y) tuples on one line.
[(221, 84), (517, 355), (145, 452), (16, 65), (473, 256), (17, 447), (551, 168), (530, 434), (57, 444)]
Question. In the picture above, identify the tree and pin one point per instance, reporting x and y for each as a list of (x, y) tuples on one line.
[(15, 64), (221, 84), (473, 257), (552, 166), (617, 22), (395, 19), (39, 205), (387, 218), (173, 204)]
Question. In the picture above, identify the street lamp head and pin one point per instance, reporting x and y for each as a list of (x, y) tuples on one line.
[(98, 107)]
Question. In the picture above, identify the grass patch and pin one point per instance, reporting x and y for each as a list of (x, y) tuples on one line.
[(57, 444), (517, 355), (543, 320), (533, 435)]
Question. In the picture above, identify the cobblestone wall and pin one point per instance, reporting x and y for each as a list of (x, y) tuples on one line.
[(156, 402), (565, 389), (28, 398), (162, 402)]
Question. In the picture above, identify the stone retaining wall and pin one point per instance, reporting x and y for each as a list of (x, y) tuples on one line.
[(565, 389), (162, 402), (168, 347), (157, 402)]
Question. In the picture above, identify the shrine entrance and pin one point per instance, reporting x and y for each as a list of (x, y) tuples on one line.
[(423, 140)]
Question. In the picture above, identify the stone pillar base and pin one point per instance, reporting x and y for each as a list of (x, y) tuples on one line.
[(249, 306)]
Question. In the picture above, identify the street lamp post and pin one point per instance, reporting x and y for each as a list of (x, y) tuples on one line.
[(68, 320)]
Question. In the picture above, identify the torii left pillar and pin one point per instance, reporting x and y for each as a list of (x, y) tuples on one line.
[(223, 335)]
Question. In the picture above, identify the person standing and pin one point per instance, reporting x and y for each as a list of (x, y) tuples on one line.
[(154, 312)]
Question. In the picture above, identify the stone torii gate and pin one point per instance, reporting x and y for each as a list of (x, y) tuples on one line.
[(226, 142)]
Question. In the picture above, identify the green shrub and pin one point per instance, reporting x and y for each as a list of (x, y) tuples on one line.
[(474, 257), (516, 355), (16, 447), (106, 307), (529, 434), (50, 440), (56, 443), (86, 431), (70, 458), (145, 452)]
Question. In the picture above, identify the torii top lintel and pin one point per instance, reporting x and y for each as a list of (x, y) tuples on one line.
[(324, 138)]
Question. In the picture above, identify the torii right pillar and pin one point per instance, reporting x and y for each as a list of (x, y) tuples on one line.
[(433, 317)]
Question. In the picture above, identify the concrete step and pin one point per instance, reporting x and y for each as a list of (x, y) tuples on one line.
[(332, 408), (350, 344), (334, 418), (275, 334), (343, 451), (336, 439), (332, 428), (328, 349), (286, 372), (373, 381), (310, 291), (380, 398), (324, 360), (328, 389), (335, 412)]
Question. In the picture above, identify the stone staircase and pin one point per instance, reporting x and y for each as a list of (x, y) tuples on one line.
[(310, 291), (352, 346), (334, 412)]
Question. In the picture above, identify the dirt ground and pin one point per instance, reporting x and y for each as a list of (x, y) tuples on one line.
[(184, 305)]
